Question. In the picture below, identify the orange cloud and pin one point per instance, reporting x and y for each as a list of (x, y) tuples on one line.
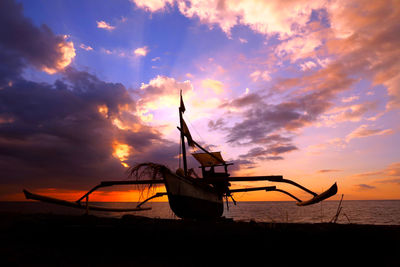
[(67, 53), (152, 5), (104, 25), (350, 99), (346, 113), (390, 175), (86, 47), (307, 65), (368, 42), (122, 152), (299, 47), (103, 110), (393, 85), (365, 131), (141, 51), (266, 17), (361, 40)]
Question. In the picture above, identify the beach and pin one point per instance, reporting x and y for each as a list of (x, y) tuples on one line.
[(87, 240)]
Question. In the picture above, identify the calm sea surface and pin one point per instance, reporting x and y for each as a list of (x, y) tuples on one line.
[(360, 212), (353, 211)]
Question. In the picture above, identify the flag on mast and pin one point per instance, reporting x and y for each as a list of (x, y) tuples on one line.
[(182, 106), (186, 132)]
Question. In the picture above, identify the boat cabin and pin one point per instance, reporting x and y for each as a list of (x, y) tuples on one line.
[(209, 161)]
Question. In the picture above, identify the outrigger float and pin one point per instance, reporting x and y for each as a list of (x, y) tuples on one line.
[(189, 196)]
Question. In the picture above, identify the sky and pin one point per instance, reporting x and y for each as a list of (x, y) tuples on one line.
[(305, 89)]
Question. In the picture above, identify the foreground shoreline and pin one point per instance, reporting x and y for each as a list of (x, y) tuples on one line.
[(68, 240)]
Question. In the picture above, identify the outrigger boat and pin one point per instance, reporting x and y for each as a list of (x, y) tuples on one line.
[(189, 196)]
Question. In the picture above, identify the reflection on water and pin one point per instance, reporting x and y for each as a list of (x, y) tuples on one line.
[(354, 211)]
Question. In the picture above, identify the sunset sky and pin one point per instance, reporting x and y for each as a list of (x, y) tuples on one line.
[(305, 89)]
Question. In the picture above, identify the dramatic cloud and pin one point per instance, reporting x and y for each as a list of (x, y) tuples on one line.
[(271, 153), (69, 134), (246, 100), (67, 51), (353, 47), (259, 117), (21, 43), (345, 38), (266, 17), (369, 42), (80, 128), (262, 119), (310, 71)]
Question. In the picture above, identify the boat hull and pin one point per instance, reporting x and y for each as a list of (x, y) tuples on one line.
[(191, 199)]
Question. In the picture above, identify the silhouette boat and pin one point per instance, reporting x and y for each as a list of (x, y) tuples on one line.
[(189, 196)]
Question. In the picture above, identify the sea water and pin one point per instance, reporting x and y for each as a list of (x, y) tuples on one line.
[(385, 212)]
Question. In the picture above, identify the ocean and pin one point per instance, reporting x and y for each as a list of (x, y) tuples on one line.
[(378, 212)]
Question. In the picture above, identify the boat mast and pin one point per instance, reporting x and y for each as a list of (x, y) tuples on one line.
[(181, 110)]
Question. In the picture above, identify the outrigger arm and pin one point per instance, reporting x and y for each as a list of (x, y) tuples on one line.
[(79, 205), (278, 178), (159, 194), (266, 188), (125, 182)]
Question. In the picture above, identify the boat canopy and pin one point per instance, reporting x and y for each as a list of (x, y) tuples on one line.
[(206, 160)]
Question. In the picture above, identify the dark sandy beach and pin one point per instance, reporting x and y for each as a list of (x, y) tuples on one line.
[(58, 240)]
